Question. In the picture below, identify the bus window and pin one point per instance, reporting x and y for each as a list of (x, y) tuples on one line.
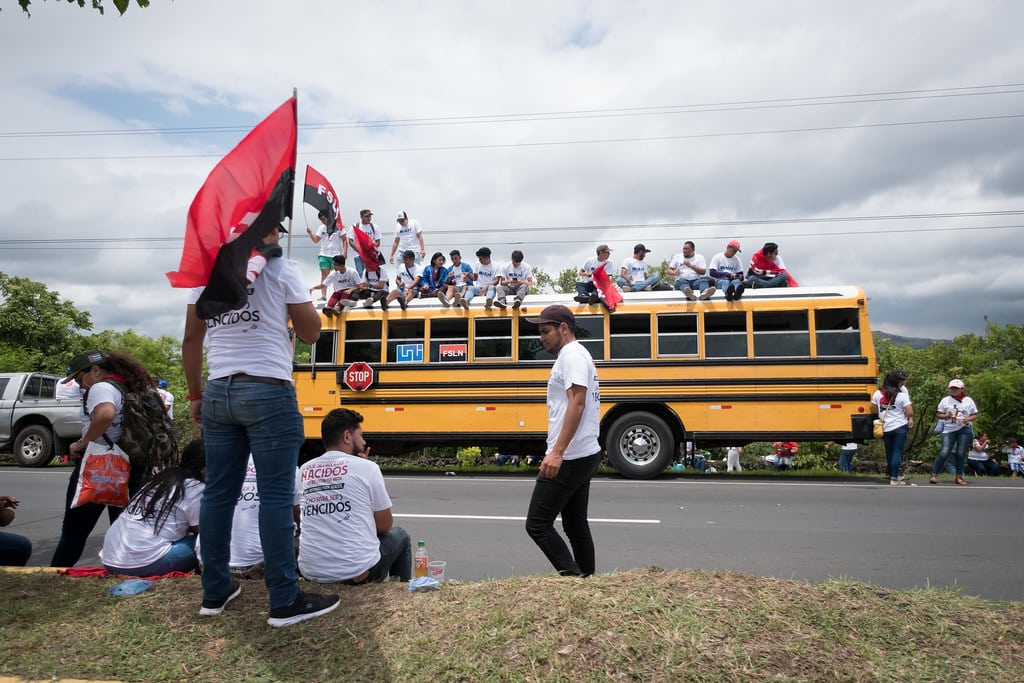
[(405, 341), (449, 340), (725, 335), (677, 334), (630, 336), (837, 332), (326, 346), (781, 333), (362, 341), (493, 339), (589, 332)]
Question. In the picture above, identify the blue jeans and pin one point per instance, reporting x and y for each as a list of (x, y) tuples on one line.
[(638, 284), (586, 288), (846, 459), (14, 550), (180, 557), (780, 280), (895, 441), (698, 284), (567, 493), (238, 418), (954, 444), (983, 467), (475, 289), (726, 285), (395, 556)]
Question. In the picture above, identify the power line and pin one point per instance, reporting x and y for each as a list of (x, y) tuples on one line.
[(174, 243), (553, 143), (736, 105)]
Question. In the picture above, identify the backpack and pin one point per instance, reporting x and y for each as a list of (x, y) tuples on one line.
[(148, 435)]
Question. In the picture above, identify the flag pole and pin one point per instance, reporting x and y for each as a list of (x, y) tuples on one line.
[(295, 94)]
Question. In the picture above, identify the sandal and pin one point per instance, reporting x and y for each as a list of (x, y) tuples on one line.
[(960, 481), (933, 480)]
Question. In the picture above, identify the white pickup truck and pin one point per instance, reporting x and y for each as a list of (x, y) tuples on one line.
[(33, 424)]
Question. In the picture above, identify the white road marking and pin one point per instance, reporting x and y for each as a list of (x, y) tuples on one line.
[(503, 518)]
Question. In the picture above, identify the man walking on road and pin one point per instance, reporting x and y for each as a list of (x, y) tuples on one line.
[(573, 453)]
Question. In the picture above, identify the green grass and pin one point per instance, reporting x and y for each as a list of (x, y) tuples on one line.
[(641, 625)]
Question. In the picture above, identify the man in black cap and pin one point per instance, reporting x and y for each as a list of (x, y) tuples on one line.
[(633, 277), (573, 451)]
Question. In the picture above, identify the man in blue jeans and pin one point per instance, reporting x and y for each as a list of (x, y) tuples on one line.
[(573, 452), (248, 405)]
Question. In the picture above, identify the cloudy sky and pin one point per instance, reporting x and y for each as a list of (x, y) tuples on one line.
[(880, 144)]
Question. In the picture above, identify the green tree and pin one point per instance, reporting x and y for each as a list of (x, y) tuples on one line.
[(120, 5), (566, 282), (542, 282), (37, 329)]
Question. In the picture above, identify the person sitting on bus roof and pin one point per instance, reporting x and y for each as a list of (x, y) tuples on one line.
[(516, 279), (690, 271), (347, 284), (485, 279), (406, 278), (376, 282), (727, 269), (768, 270), (586, 290), (634, 274), (460, 276), (433, 281)]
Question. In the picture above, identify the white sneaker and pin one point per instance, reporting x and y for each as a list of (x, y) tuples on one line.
[(458, 298), (348, 303), (445, 301), (500, 303), (465, 304), (707, 293), (688, 293)]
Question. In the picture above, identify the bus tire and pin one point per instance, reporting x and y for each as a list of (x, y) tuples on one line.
[(640, 445), (33, 447)]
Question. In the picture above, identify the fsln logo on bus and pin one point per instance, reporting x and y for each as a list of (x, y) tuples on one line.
[(454, 352), (359, 376)]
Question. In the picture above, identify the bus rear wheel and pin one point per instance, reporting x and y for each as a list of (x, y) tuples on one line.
[(640, 445)]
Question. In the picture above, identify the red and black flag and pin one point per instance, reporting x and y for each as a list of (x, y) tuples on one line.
[(246, 196), (319, 194), (367, 248), (606, 287)]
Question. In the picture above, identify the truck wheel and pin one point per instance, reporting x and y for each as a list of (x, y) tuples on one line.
[(640, 445), (33, 447)]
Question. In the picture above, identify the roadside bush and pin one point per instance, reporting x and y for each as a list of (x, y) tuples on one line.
[(468, 457)]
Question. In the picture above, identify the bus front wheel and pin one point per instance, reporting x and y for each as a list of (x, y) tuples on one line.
[(640, 445)]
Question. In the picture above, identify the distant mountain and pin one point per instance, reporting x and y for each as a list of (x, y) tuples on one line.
[(912, 342)]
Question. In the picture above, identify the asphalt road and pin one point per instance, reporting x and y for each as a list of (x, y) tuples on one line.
[(896, 537)]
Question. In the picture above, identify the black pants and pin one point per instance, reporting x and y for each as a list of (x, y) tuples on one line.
[(80, 521), (569, 494)]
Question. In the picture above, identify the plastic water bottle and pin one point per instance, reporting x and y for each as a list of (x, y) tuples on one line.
[(419, 560)]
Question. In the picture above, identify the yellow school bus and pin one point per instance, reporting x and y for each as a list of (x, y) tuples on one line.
[(788, 363)]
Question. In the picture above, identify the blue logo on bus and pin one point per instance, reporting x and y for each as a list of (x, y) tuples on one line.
[(409, 353)]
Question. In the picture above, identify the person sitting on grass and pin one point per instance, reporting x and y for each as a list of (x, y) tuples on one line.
[(156, 532), (14, 549)]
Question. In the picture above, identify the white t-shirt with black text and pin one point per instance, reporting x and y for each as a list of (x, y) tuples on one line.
[(133, 540), (408, 235)]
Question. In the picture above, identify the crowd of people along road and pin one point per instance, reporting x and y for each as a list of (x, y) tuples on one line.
[(350, 281)]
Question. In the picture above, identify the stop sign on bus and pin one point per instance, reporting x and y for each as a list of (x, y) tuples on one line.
[(359, 376)]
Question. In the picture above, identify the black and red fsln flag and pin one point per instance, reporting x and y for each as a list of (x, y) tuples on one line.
[(246, 196), (319, 194)]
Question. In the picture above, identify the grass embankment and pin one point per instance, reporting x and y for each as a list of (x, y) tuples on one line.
[(641, 625)]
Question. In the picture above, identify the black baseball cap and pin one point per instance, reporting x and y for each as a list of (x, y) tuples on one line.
[(555, 315)]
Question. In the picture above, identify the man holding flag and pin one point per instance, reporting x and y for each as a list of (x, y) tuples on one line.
[(243, 298), (367, 226), (318, 193)]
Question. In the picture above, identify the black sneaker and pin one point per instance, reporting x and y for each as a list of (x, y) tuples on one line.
[(594, 299), (581, 298), (500, 303), (739, 291), (402, 303), (306, 606), (212, 608), (729, 293)]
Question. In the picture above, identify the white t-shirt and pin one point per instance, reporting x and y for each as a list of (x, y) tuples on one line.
[(1014, 454), (522, 272), (254, 339), (377, 279), (104, 392), (574, 365), (486, 272), (338, 495), (342, 281), (405, 276), (369, 228), (462, 273), (977, 452), (168, 399), (730, 265), (686, 272), (330, 245), (593, 264), (408, 235), (132, 540), (961, 408), (246, 549), (636, 269), (895, 416), (68, 391)]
